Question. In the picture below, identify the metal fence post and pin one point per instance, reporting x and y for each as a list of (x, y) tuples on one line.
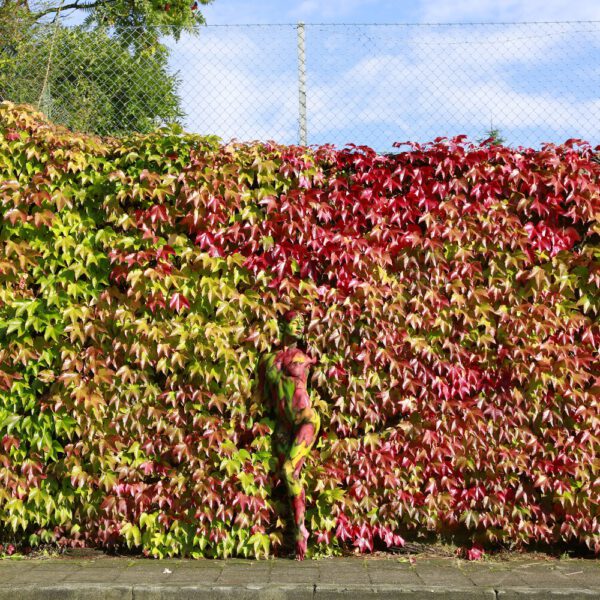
[(301, 85)]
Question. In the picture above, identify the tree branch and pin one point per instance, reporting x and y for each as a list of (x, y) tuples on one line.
[(75, 5)]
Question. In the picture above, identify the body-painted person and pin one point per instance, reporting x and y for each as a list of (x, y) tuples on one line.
[(282, 379)]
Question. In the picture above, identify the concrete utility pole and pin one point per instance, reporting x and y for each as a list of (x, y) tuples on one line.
[(302, 85)]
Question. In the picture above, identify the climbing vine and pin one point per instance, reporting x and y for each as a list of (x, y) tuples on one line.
[(451, 296)]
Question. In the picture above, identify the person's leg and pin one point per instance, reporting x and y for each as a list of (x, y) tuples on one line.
[(281, 446), (302, 442), (281, 442)]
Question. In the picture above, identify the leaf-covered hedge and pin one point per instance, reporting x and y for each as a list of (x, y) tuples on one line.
[(451, 294)]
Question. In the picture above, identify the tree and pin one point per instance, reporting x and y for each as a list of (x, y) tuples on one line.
[(91, 82), (153, 17), (107, 76), (493, 137)]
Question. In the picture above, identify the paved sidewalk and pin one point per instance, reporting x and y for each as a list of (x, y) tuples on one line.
[(330, 578)]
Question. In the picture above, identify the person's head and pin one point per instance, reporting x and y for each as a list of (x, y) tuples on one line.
[(292, 325)]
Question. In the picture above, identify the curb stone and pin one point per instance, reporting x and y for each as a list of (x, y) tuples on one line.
[(552, 594), (95, 591)]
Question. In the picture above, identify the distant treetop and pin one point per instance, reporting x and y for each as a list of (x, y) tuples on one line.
[(153, 17)]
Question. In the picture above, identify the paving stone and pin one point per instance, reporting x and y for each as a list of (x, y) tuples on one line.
[(132, 577), (299, 564), (9, 575), (493, 579), (66, 592), (223, 593), (280, 579), (194, 576), (546, 581), (45, 565), (398, 576), (291, 575), (337, 592), (87, 575), (391, 563), (240, 574), (108, 562), (9, 571), (344, 575), (585, 580), (41, 576), (452, 577), (547, 594), (574, 566), (350, 579)]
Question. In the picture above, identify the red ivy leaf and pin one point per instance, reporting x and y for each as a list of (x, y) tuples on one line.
[(178, 301), (475, 553)]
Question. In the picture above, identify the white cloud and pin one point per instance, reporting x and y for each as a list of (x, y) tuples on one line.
[(278, 11), (328, 9), (232, 85), (377, 85), (437, 81), (399, 11), (443, 11)]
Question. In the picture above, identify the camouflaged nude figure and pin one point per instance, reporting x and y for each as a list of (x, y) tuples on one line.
[(282, 379)]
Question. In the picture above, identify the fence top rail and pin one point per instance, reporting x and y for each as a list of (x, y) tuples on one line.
[(431, 24), (374, 24)]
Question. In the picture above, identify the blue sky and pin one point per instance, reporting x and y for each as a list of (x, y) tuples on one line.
[(399, 11), (376, 85)]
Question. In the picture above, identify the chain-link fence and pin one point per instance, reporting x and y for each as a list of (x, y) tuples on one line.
[(365, 84), (89, 80)]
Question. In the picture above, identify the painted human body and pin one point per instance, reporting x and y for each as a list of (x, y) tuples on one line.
[(283, 378)]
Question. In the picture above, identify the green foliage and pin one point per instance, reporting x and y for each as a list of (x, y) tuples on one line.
[(451, 295), (493, 137), (148, 19), (95, 83), (94, 78)]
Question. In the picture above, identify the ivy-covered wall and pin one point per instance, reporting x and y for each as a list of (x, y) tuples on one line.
[(451, 293)]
